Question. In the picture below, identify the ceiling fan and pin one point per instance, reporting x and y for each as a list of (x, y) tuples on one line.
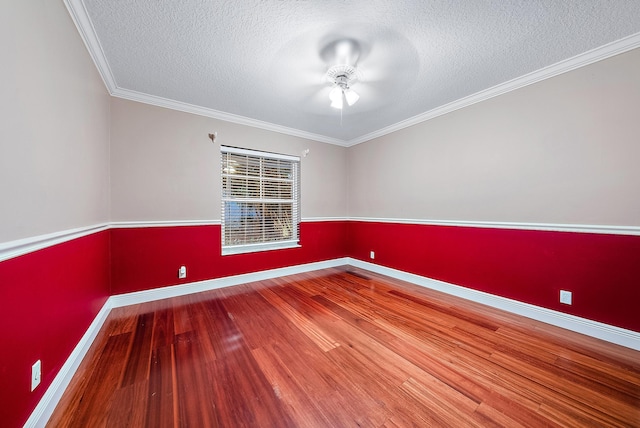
[(354, 70), (344, 74), (342, 77)]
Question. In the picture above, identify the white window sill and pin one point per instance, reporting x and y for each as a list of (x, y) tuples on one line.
[(254, 248)]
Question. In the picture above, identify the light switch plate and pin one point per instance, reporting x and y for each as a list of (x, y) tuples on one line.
[(36, 374), (565, 297)]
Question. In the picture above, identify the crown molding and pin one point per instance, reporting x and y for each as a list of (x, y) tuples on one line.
[(603, 52), (83, 23), (85, 27), (220, 115)]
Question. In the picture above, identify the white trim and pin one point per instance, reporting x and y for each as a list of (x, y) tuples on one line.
[(19, 247), (168, 223), (212, 284), (83, 23), (613, 334), (603, 52), (319, 219), (220, 115), (260, 247), (161, 223), (47, 404), (552, 227), (85, 27), (51, 397), (258, 153)]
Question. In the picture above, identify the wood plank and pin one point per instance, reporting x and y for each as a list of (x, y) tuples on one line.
[(303, 409), (162, 398), (94, 401), (182, 319), (305, 324), (131, 404), (348, 348), (192, 382), (139, 357)]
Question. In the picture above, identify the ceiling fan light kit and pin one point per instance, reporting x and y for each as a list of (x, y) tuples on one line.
[(342, 76)]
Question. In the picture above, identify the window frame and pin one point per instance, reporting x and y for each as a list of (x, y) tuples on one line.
[(244, 203)]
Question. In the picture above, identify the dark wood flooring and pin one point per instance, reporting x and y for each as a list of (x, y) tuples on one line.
[(338, 348)]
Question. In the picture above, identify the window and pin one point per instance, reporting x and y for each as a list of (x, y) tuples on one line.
[(260, 200)]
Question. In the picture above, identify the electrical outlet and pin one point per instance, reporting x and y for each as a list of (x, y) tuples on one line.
[(182, 272), (372, 255), (36, 374), (565, 297)]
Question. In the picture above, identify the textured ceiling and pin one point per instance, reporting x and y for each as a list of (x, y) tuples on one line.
[(262, 62)]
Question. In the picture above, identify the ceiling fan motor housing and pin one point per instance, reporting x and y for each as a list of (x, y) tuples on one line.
[(343, 75)]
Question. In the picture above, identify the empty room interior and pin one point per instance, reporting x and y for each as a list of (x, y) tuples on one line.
[(279, 213)]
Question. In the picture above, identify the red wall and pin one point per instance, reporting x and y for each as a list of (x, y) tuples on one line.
[(530, 266), (49, 298), (602, 271), (145, 258)]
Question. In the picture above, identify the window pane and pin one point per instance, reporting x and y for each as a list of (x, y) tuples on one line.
[(243, 223), (242, 187), (259, 198), (277, 190), (286, 190), (279, 223), (253, 166)]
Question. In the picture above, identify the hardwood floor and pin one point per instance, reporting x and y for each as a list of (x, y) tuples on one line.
[(342, 348)]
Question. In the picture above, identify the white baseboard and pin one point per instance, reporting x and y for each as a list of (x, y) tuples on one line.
[(51, 397), (617, 335), (49, 401), (212, 284)]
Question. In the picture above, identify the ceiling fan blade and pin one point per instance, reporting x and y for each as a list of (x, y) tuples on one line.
[(386, 62)]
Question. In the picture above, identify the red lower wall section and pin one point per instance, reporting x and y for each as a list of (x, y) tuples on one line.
[(49, 298), (146, 258), (602, 271), (530, 266)]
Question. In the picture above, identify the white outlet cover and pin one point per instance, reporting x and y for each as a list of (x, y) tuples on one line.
[(372, 254), (36, 374), (565, 297), (182, 272)]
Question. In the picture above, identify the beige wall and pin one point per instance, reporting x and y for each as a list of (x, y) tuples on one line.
[(54, 147), (164, 167), (565, 150)]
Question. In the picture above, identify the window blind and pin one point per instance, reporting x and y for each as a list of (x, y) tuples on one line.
[(260, 200)]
